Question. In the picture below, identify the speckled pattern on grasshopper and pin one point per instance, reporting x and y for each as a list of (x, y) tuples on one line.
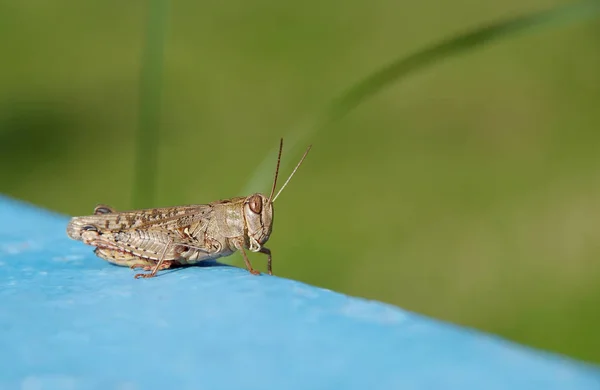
[(160, 238)]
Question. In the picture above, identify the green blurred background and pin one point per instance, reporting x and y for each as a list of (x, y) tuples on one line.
[(470, 192)]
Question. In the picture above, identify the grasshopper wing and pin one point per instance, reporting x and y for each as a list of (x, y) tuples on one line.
[(167, 218)]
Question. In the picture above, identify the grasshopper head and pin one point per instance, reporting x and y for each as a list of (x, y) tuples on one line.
[(258, 215)]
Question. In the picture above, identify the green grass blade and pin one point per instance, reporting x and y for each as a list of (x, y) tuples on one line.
[(405, 66), (147, 138)]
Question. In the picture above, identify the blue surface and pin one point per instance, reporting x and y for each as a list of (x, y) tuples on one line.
[(69, 320)]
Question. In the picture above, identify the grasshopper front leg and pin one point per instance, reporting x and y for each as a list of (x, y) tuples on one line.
[(267, 252), (239, 244)]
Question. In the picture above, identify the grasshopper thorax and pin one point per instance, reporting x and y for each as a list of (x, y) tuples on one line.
[(258, 218)]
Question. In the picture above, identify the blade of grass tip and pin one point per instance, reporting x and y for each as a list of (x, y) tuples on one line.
[(404, 66), (150, 92)]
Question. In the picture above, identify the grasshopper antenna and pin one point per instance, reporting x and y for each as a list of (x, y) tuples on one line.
[(291, 175), (276, 171)]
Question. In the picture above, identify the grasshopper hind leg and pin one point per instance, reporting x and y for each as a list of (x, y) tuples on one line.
[(129, 260), (154, 268), (159, 265)]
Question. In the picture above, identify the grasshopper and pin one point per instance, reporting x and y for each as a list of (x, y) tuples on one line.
[(161, 238)]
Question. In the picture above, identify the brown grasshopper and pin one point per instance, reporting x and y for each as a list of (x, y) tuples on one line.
[(157, 239)]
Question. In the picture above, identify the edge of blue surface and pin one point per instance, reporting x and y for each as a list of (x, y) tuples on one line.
[(72, 321)]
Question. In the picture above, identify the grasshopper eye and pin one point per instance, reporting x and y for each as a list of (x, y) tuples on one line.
[(89, 228), (256, 204)]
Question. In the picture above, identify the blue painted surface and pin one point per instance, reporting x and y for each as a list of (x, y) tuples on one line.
[(69, 320)]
